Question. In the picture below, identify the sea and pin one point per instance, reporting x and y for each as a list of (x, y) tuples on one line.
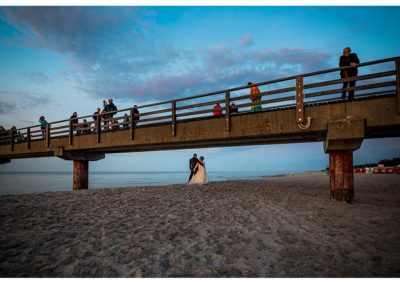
[(29, 182)]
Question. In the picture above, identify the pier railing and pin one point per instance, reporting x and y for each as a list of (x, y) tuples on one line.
[(379, 78)]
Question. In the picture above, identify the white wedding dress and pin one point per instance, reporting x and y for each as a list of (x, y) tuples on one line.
[(201, 176)]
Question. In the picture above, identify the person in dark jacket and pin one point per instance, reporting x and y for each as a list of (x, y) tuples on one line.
[(85, 125), (136, 114), (74, 121), (105, 116), (348, 59), (234, 108), (96, 116), (192, 163), (111, 108)]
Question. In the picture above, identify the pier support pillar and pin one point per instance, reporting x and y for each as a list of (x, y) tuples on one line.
[(341, 175), (81, 165), (81, 175), (342, 138)]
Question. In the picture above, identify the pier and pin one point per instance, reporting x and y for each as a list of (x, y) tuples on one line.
[(296, 109)]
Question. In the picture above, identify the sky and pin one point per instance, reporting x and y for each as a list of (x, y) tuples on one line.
[(57, 60)]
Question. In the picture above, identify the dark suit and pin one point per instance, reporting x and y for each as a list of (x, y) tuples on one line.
[(349, 72), (192, 163)]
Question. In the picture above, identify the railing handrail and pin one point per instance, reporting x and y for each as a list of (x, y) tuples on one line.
[(222, 91)]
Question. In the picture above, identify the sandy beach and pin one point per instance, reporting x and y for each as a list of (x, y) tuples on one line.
[(282, 226)]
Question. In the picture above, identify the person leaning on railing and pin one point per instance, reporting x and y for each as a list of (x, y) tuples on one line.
[(73, 120), (3, 134), (104, 115), (217, 111), (43, 122), (13, 130), (255, 97), (234, 108), (96, 116), (126, 121), (114, 123), (4, 139), (85, 127), (348, 59), (111, 109), (19, 137), (136, 114)]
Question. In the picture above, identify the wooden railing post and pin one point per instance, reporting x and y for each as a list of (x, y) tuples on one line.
[(98, 127), (71, 133), (299, 100), (12, 139), (47, 135), (398, 83), (173, 125), (28, 137), (228, 110), (132, 124)]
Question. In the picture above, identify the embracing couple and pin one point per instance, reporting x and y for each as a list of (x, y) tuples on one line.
[(198, 173)]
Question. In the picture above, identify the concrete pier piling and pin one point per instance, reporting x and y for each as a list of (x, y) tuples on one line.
[(342, 138), (80, 165), (81, 175), (341, 175)]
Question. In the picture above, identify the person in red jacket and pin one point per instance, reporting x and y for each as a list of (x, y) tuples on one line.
[(217, 110)]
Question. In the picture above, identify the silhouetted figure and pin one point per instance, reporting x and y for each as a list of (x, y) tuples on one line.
[(348, 59)]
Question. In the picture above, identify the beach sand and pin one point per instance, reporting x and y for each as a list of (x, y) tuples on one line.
[(283, 226)]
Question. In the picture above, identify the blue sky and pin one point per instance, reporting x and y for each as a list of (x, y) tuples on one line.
[(56, 60)]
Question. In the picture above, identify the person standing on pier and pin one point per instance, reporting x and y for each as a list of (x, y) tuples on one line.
[(96, 116), (348, 59), (217, 111), (126, 121), (43, 124), (136, 114), (234, 108), (255, 97), (73, 120)]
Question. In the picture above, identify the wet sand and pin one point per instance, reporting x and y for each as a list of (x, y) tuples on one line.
[(282, 226)]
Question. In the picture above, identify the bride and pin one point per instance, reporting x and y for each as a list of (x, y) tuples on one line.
[(201, 176)]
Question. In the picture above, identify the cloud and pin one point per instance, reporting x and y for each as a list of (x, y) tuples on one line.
[(189, 73), (116, 53), (6, 107), (80, 31), (246, 40), (38, 78), (24, 99)]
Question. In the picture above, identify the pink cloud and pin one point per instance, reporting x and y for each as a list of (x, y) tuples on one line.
[(246, 40)]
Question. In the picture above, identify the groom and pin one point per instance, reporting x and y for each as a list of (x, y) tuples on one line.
[(192, 163)]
